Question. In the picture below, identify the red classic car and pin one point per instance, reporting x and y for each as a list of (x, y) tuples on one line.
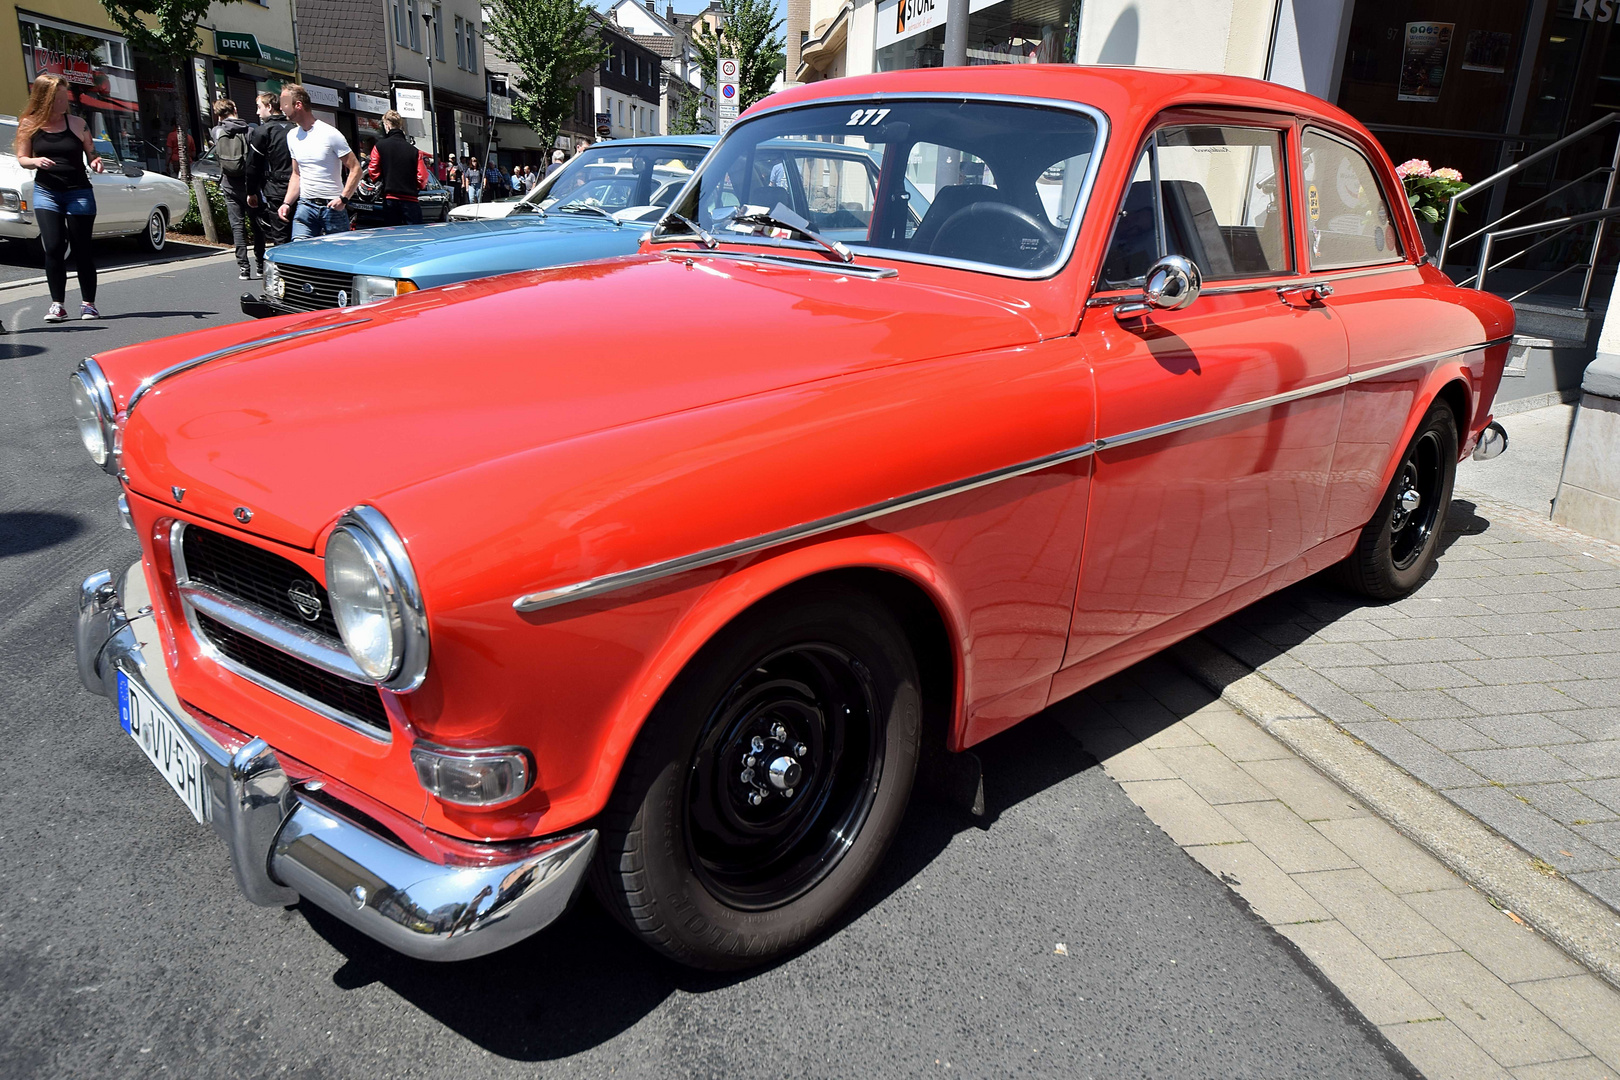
[(431, 644)]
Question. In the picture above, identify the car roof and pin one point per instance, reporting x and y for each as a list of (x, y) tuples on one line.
[(1129, 96), (661, 140)]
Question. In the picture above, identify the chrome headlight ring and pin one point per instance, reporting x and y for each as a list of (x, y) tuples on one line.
[(89, 385), (388, 562)]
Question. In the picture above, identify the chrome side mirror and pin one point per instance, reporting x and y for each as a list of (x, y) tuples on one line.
[(1169, 285)]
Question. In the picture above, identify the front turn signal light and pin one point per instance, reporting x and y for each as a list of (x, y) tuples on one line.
[(480, 778)]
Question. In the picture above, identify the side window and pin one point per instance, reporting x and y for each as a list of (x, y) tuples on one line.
[(839, 193), (1347, 220), (1220, 198)]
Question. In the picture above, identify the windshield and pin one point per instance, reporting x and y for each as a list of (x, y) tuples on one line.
[(986, 183), (634, 182), (8, 137)]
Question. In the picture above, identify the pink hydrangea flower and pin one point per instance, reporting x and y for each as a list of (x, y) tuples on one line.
[(1446, 174), (1413, 167)]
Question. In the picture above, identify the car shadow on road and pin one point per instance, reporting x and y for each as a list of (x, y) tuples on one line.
[(585, 980), (23, 531)]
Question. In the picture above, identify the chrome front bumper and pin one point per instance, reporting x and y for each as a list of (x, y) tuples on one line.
[(285, 845), (1492, 441)]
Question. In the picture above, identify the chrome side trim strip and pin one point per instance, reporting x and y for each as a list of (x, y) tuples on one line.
[(196, 361), (278, 633), (258, 678), (818, 265), (537, 601), (1297, 281)]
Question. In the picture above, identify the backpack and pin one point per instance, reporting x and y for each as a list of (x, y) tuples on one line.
[(232, 149)]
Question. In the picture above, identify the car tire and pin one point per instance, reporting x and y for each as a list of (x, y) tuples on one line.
[(726, 864), (1399, 546), (156, 233)]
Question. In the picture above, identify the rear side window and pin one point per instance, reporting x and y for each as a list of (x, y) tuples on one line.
[(1219, 203), (1347, 219)]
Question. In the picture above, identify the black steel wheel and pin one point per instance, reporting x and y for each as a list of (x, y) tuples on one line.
[(1399, 546), (767, 783)]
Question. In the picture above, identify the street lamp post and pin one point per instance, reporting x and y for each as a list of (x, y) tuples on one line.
[(433, 112)]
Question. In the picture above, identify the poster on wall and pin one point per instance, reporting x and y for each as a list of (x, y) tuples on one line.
[(1487, 50), (1423, 61)]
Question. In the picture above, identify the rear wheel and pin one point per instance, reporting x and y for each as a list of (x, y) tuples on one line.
[(156, 233), (1399, 545), (767, 784)]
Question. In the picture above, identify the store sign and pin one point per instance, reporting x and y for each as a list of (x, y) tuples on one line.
[(604, 124), (500, 106), (75, 69), (370, 103), (898, 20), (229, 43), (409, 103), (324, 95), (1596, 10), (470, 119)]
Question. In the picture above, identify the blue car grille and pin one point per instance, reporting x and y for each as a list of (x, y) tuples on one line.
[(309, 288)]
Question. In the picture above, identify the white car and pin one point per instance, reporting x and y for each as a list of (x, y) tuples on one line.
[(129, 200)]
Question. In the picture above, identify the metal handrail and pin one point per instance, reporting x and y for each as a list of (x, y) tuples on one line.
[(1601, 216), (1563, 225), (1601, 170)]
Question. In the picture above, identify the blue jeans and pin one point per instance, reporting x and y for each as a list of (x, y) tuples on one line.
[(313, 218), (81, 201)]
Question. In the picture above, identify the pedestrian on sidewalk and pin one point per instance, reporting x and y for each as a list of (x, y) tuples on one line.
[(174, 150), (231, 137), (325, 171), (57, 146), (269, 171), (472, 180), (556, 162), (401, 171)]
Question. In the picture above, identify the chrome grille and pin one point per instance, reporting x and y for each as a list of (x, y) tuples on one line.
[(309, 288), (252, 608)]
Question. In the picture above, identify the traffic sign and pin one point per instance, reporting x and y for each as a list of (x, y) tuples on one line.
[(728, 98)]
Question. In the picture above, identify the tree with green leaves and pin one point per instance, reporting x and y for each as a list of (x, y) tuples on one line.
[(748, 32), (551, 43), (165, 30), (689, 118)]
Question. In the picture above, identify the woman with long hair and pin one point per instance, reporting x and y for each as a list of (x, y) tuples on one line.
[(57, 146)]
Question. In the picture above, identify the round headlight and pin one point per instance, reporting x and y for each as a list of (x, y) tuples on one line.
[(375, 600), (367, 616), (88, 419)]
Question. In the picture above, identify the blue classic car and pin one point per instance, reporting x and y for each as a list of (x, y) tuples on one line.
[(598, 205)]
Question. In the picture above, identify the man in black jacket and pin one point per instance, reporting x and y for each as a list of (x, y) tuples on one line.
[(400, 170), (231, 135), (269, 171)]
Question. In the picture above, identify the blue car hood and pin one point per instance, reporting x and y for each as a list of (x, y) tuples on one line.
[(458, 250)]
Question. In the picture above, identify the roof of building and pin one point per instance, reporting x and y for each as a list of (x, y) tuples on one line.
[(662, 44)]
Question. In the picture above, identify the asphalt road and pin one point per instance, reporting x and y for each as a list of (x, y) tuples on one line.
[(126, 951), (24, 261)]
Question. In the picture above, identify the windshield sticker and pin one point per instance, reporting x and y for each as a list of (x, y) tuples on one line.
[(863, 117)]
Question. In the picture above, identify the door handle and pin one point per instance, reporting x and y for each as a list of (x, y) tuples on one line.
[(1311, 292)]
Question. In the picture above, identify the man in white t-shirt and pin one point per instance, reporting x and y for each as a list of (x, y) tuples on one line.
[(325, 171)]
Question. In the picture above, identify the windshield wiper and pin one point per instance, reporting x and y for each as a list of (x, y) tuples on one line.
[(528, 208), (691, 226), (579, 208), (784, 218)]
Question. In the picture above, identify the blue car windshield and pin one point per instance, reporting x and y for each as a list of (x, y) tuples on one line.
[(632, 182), (989, 184)]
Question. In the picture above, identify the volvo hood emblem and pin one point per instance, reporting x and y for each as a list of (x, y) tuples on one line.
[(242, 514), (305, 599), (309, 288), (343, 298), (178, 492)]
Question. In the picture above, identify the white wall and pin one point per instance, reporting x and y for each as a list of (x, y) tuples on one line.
[(1229, 36), (860, 48), (1310, 45)]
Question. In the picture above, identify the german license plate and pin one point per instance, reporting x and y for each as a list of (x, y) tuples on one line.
[(162, 741)]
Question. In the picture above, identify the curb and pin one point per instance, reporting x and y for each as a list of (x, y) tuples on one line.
[(1581, 925), (107, 273)]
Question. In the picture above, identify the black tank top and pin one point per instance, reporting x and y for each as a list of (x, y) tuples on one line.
[(67, 152)]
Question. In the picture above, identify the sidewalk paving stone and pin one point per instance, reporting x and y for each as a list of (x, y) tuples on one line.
[(1414, 755), (1521, 765), (1599, 760), (1587, 1068), (1372, 986), (1401, 865), (1603, 884), (1487, 1009), (1273, 895), (1523, 730), (1512, 953), (1303, 790), (1380, 919), (1214, 776), (1564, 804), (1532, 830), (1433, 676), (1287, 840), (1442, 1052), (1452, 735), (1577, 1004)]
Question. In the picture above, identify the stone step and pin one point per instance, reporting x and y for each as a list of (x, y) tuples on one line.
[(1557, 321), (1543, 369)]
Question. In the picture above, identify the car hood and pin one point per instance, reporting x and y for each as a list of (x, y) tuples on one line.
[(373, 400), (417, 251)]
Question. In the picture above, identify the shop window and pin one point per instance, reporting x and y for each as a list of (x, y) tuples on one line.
[(1347, 220), (1220, 202)]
